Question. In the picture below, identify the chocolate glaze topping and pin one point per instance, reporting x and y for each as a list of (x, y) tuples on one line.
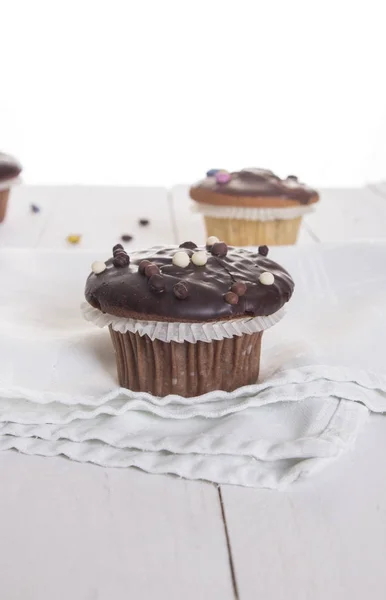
[(204, 296), (9, 167), (259, 182)]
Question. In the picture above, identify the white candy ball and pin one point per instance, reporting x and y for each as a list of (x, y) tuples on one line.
[(212, 240), (181, 259), (98, 267), (267, 278), (200, 258)]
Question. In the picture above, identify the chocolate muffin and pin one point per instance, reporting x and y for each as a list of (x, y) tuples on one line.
[(253, 206), (187, 320), (10, 169)]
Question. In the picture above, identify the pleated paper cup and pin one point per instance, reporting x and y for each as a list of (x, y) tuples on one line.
[(186, 359), (185, 369), (4, 195), (243, 232)]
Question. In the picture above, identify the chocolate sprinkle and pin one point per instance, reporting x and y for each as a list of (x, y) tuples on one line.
[(231, 298), (143, 222), (188, 245), (121, 260), (142, 266), (181, 290), (219, 249), (151, 269), (126, 237), (157, 282), (263, 250), (239, 288), (34, 208)]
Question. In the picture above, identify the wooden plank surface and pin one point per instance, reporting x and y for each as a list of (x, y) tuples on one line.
[(80, 532), (323, 538), (99, 214)]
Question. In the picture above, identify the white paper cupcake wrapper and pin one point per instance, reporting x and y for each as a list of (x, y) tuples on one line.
[(5, 185), (250, 213), (182, 332)]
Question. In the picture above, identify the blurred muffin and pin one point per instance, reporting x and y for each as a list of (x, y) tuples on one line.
[(10, 170), (187, 320), (252, 206)]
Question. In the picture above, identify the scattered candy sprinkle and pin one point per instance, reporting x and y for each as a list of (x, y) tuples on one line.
[(34, 208), (73, 238), (143, 222), (126, 237)]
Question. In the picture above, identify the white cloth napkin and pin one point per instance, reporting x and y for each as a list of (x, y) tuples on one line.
[(322, 371)]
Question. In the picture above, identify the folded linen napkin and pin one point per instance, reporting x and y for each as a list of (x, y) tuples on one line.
[(322, 371)]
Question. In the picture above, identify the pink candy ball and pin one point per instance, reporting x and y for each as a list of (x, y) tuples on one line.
[(223, 177)]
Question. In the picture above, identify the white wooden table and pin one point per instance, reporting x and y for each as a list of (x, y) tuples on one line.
[(72, 531)]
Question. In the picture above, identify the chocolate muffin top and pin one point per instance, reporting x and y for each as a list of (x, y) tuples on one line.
[(251, 183), (9, 167), (189, 283)]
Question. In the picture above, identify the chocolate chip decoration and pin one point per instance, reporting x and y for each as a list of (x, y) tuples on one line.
[(142, 266), (263, 250), (157, 282), (239, 288), (143, 222), (219, 249), (188, 245), (181, 290), (126, 237), (151, 269), (231, 298), (121, 259)]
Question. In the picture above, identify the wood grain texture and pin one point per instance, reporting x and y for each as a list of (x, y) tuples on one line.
[(324, 538), (22, 228), (71, 530), (344, 214)]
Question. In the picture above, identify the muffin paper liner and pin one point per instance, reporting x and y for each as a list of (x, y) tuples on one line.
[(182, 332), (252, 214), (188, 370), (238, 232), (4, 195)]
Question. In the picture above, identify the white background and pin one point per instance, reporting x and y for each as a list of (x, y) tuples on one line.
[(157, 92)]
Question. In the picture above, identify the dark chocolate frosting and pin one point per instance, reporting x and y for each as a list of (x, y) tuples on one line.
[(207, 294), (9, 167), (259, 182)]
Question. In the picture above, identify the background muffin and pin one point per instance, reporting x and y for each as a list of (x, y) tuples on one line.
[(253, 206), (187, 320), (10, 169)]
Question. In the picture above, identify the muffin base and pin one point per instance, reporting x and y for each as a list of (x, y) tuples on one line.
[(4, 195), (242, 232), (185, 369)]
